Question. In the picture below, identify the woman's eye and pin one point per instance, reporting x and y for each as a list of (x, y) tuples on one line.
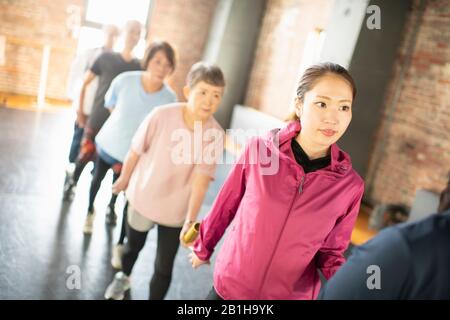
[(321, 104), (345, 108)]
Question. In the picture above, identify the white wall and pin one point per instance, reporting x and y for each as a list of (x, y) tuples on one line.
[(342, 31)]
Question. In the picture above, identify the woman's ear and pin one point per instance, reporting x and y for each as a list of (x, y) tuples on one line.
[(298, 107), (186, 92)]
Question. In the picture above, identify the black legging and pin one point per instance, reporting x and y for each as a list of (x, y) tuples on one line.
[(167, 246), (123, 228), (86, 154), (101, 168), (79, 167)]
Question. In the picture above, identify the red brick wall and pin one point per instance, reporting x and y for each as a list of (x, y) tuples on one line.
[(29, 25), (185, 24), (417, 149), (278, 58)]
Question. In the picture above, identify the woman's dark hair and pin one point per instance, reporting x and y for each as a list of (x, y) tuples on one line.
[(156, 46), (314, 73)]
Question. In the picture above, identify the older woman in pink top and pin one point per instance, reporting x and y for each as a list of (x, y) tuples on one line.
[(291, 216), (166, 175)]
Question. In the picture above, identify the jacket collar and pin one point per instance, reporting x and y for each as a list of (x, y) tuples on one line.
[(279, 141)]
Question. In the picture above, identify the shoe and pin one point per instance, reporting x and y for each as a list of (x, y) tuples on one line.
[(111, 216), (70, 169), (89, 223), (116, 290), (116, 259)]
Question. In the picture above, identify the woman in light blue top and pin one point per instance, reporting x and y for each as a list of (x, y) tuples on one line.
[(131, 96)]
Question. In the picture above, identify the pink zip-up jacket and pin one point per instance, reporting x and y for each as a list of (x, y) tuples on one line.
[(285, 226)]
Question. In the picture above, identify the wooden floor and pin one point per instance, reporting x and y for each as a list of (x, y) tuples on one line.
[(23, 102)]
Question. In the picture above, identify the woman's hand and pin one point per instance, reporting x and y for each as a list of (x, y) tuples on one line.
[(120, 185), (196, 261)]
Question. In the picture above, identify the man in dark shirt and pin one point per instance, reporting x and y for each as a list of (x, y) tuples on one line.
[(107, 66), (407, 261), (80, 65)]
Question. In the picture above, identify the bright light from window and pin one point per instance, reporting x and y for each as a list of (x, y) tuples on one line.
[(139, 50), (89, 38), (117, 12), (93, 38)]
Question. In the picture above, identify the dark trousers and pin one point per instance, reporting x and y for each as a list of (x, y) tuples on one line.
[(167, 246), (76, 142), (123, 228), (101, 168), (86, 154)]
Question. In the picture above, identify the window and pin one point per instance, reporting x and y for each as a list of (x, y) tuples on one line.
[(116, 11), (101, 12)]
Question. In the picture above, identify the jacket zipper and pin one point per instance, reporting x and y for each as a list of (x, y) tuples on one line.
[(300, 187), (300, 190)]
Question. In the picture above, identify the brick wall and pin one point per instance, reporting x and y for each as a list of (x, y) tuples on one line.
[(28, 25), (416, 151), (185, 24), (278, 58)]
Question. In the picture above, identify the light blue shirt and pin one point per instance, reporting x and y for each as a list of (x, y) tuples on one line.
[(131, 104)]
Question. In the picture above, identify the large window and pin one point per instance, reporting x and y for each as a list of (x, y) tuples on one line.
[(101, 12), (116, 11)]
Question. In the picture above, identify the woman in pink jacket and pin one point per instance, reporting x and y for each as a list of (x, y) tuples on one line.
[(292, 199)]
